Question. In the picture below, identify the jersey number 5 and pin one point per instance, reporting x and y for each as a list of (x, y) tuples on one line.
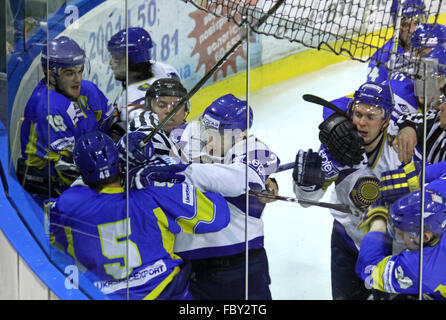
[(116, 245)]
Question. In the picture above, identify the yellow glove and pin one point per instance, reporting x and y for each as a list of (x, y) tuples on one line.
[(396, 183), (377, 209)]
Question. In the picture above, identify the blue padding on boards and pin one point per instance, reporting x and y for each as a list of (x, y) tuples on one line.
[(22, 222)]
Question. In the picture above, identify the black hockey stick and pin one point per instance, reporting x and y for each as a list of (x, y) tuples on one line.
[(336, 206), (320, 101), (208, 75)]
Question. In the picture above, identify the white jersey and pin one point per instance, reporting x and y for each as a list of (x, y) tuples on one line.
[(137, 91), (228, 179), (356, 186)]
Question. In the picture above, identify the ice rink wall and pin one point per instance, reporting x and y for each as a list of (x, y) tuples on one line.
[(185, 37)]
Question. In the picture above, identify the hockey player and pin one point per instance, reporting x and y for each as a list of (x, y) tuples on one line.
[(413, 13), (408, 94), (142, 70), (355, 173), (55, 116), (410, 134), (218, 259), (381, 270), (129, 249)]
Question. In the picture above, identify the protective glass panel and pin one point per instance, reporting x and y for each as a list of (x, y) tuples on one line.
[(169, 82)]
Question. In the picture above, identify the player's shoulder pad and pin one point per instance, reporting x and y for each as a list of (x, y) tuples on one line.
[(70, 197)]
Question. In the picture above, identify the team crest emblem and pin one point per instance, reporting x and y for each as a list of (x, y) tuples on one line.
[(365, 192)]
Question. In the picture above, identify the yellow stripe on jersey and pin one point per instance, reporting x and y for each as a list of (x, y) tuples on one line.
[(160, 288), (377, 155), (378, 272), (69, 236), (442, 289), (204, 211), (31, 149), (98, 114), (82, 103), (112, 190), (168, 237)]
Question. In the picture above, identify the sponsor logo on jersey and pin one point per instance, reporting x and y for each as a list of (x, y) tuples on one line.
[(135, 279), (65, 143), (188, 194), (74, 112)]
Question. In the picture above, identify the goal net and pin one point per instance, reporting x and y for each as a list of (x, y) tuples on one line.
[(352, 28)]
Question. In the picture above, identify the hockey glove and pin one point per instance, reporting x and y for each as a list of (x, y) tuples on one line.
[(137, 156), (307, 172), (145, 175), (396, 183), (66, 168), (376, 209), (342, 140)]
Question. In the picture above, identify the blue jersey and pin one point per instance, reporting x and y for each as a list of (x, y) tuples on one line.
[(52, 122), (92, 227), (400, 273), (377, 71), (406, 101)]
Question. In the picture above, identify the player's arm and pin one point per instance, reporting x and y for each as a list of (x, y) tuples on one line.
[(396, 183), (381, 270), (105, 112), (50, 136), (224, 179), (410, 133), (193, 211)]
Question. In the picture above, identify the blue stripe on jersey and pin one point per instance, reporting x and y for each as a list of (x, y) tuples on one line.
[(255, 206), (223, 251)]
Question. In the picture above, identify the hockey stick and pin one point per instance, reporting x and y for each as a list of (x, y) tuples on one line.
[(207, 76), (284, 167), (320, 101), (336, 206)]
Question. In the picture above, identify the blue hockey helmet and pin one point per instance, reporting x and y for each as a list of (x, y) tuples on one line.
[(405, 213), (375, 94), (428, 35), (227, 113), (411, 9), (62, 52), (139, 45), (439, 53), (96, 156)]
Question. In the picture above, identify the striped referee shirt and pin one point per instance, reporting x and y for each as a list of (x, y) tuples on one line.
[(146, 122), (435, 135)]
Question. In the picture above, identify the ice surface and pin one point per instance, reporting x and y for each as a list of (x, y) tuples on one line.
[(297, 239)]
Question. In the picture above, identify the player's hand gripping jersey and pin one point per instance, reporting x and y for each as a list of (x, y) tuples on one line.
[(92, 226)]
